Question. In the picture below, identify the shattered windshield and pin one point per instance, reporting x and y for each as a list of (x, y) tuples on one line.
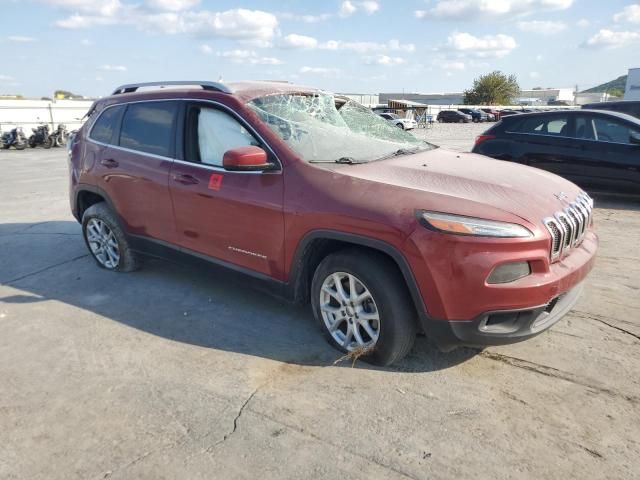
[(322, 128)]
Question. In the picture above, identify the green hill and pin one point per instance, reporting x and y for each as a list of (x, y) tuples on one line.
[(618, 84)]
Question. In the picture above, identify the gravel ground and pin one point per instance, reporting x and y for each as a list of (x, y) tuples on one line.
[(172, 372), (455, 136)]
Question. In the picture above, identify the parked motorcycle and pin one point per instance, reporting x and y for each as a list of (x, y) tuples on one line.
[(14, 138), (60, 136), (41, 136)]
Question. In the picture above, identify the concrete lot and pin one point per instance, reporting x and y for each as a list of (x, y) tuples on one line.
[(178, 373)]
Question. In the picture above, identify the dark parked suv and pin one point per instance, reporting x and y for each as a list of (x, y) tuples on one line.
[(598, 150), (323, 201), (453, 116)]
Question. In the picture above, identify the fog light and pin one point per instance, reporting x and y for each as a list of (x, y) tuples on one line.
[(509, 272)]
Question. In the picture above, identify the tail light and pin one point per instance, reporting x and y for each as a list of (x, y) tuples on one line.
[(483, 138)]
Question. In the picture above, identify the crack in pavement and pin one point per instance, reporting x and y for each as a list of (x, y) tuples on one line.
[(235, 421), (554, 373), (591, 316), (22, 277)]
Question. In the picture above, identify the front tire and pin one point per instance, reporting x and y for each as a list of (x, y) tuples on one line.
[(106, 241), (363, 307)]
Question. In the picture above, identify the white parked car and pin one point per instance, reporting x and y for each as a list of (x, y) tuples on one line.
[(403, 123)]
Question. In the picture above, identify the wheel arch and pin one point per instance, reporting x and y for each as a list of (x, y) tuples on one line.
[(316, 245), (88, 195)]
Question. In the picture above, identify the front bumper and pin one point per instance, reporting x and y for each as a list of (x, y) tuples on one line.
[(503, 326)]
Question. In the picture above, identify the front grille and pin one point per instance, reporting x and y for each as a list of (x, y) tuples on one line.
[(569, 226)]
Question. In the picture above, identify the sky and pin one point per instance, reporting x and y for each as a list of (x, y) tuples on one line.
[(350, 46)]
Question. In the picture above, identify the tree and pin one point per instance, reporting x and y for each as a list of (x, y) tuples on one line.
[(494, 88), (616, 92)]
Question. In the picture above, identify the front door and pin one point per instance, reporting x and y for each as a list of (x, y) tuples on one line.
[(236, 217)]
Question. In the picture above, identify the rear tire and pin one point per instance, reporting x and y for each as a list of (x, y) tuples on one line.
[(400, 126), (106, 241), (379, 291)]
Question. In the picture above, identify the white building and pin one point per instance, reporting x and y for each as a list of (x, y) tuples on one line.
[(632, 91), (542, 96)]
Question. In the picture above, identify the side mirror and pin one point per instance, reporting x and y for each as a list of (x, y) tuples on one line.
[(249, 158), (634, 138)]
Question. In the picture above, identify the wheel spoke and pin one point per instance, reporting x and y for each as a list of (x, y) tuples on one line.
[(334, 326), (347, 337), (338, 284), (333, 293), (369, 316), (352, 288), (330, 309), (356, 333), (367, 328)]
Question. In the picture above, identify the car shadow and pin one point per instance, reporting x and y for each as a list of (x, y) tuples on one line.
[(202, 306)]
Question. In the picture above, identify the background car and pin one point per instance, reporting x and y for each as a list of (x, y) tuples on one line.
[(453, 116), (628, 107), (493, 114), (476, 115), (403, 123), (506, 112), (596, 149)]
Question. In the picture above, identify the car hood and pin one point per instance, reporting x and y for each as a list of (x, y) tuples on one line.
[(470, 184)]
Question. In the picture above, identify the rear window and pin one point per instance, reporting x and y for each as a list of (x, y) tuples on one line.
[(106, 125), (541, 125), (148, 127)]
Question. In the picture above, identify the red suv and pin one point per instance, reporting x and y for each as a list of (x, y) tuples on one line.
[(325, 202)]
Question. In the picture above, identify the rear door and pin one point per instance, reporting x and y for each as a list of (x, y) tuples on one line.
[(236, 217), (610, 161), (134, 166), (546, 142)]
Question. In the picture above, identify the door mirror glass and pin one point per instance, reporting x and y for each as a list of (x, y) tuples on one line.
[(634, 138), (248, 158)]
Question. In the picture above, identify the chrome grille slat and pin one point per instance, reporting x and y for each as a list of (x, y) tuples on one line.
[(569, 226)]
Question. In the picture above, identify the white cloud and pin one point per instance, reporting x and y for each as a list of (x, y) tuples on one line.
[(248, 57), (454, 65), (206, 49), (113, 68), (583, 23), (85, 42), (370, 7), (254, 27), (368, 47), (105, 8), (384, 60), (305, 18), (534, 74), (348, 7), (629, 14), (299, 41), (482, 9), (5, 78), (172, 5), (612, 39), (495, 46), (21, 39), (539, 58), (542, 27), (321, 71)]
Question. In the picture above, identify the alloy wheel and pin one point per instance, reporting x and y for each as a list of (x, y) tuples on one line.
[(349, 311), (103, 243)]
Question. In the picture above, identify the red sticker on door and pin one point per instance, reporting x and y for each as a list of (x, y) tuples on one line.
[(215, 181)]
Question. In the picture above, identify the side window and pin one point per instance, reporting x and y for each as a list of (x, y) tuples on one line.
[(148, 127), (106, 125), (556, 125), (609, 130), (584, 128), (210, 133)]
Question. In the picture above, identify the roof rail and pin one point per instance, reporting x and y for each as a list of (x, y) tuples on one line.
[(132, 87)]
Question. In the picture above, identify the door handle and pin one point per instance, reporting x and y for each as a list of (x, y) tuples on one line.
[(109, 163), (186, 179)]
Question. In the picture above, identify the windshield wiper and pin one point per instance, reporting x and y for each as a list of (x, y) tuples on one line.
[(344, 160)]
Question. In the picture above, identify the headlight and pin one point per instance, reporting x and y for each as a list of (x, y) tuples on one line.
[(461, 225)]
